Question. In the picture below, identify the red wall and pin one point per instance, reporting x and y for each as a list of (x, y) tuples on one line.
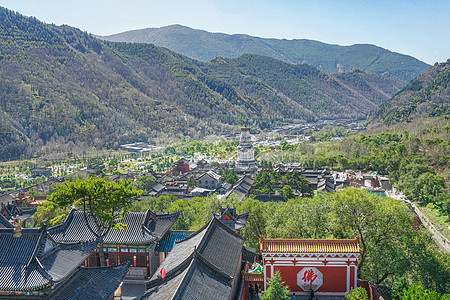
[(334, 278)]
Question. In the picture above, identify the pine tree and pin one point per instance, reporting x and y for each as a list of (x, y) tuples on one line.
[(276, 289)]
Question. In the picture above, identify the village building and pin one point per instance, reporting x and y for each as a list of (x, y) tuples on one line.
[(209, 180), (326, 268), (242, 188), (23, 213), (156, 190), (319, 179), (206, 265), (34, 266), (180, 167), (246, 153), (201, 192), (38, 172), (224, 188), (270, 198), (6, 198), (201, 165), (132, 245), (175, 190), (229, 217)]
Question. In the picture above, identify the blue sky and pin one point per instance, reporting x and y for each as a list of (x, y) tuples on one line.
[(417, 28)]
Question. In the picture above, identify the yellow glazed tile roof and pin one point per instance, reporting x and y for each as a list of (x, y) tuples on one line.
[(309, 246)]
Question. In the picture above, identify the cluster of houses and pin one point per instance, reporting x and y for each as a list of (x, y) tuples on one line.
[(187, 180), (64, 261), (69, 261)]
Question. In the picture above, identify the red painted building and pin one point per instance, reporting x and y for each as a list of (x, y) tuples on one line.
[(327, 267), (181, 166)]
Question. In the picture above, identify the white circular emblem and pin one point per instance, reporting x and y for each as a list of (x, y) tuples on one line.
[(309, 278)]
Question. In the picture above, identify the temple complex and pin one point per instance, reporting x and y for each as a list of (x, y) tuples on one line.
[(246, 153)]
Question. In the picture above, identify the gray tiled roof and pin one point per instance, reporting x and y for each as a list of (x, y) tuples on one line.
[(34, 261), (222, 247), (200, 280), (158, 187), (91, 284), (4, 223), (270, 198), (143, 228), (234, 221), (64, 258), (248, 254), (201, 284), (242, 187), (211, 174), (182, 251), (202, 266), (6, 198), (166, 289)]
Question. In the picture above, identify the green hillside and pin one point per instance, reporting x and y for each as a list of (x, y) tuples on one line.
[(428, 95), (203, 45), (63, 90), (302, 91)]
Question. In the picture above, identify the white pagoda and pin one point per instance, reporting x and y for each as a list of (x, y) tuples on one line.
[(246, 153)]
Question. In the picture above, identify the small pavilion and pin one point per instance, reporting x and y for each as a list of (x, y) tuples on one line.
[(228, 216)]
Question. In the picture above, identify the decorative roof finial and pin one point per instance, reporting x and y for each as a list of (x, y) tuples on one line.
[(18, 228)]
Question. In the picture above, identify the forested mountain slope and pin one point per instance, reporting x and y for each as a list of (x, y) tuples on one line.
[(203, 45), (428, 95), (301, 91), (62, 89)]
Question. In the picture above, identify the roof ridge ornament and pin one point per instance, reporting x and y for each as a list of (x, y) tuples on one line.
[(18, 228)]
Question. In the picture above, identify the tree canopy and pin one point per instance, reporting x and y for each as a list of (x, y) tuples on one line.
[(103, 202), (391, 250)]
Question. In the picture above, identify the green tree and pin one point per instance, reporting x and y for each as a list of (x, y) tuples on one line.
[(144, 182), (445, 203), (229, 175), (383, 226), (103, 203), (156, 204), (263, 183), (357, 294), (299, 218), (192, 182), (287, 192), (49, 212), (427, 188), (418, 292), (256, 222), (275, 290)]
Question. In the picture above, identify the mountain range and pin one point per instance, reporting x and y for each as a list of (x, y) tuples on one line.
[(204, 45), (428, 95), (63, 90)]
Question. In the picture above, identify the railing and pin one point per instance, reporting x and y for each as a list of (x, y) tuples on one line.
[(252, 277)]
